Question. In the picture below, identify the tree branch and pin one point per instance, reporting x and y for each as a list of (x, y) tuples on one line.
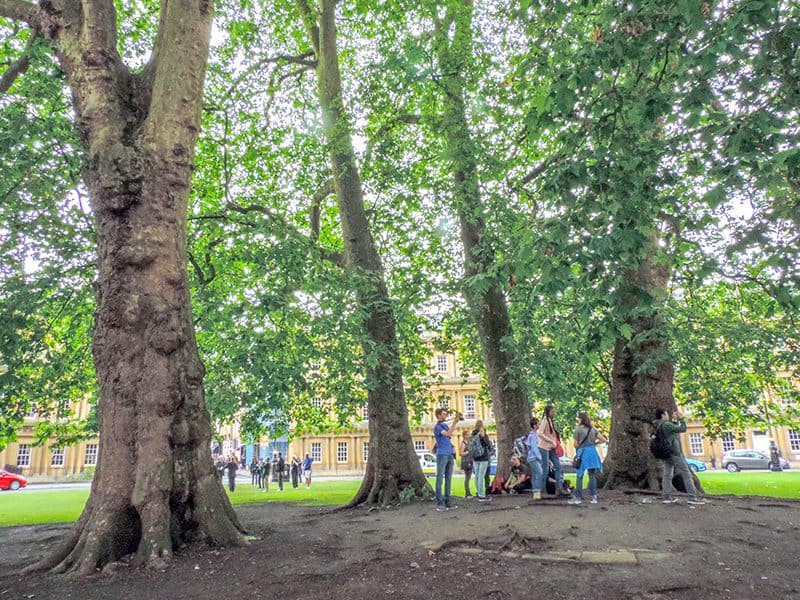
[(20, 10), (310, 22), (304, 60), (325, 190), (385, 129), (18, 67)]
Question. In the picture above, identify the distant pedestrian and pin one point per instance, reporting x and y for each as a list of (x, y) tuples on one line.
[(232, 467), (265, 467), (307, 462), (676, 462), (254, 471), (467, 462), (480, 460), (445, 460), (294, 470), (586, 439), (280, 464)]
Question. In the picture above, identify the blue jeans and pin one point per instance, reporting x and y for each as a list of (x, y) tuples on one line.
[(550, 455), (481, 466), (536, 473), (444, 471), (592, 473)]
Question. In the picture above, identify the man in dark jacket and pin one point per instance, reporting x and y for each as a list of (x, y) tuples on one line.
[(254, 471), (232, 466), (281, 466), (676, 463)]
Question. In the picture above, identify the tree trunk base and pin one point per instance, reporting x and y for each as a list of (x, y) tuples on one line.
[(390, 489), (109, 531)]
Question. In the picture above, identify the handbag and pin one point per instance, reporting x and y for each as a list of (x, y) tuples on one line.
[(559, 449), (576, 461)]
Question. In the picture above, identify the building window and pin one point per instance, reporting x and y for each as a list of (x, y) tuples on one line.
[(63, 409), (441, 363), (24, 456), (91, 455), (316, 402), (315, 365), (696, 443), (469, 407), (419, 445), (794, 440), (32, 414), (365, 451), (728, 443), (316, 451), (57, 457), (365, 412), (444, 403), (341, 452)]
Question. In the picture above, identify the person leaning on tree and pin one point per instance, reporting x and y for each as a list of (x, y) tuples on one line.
[(676, 463), (548, 440)]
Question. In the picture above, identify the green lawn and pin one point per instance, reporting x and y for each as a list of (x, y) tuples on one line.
[(30, 508)]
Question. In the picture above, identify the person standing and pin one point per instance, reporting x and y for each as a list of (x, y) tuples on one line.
[(676, 462), (548, 440), (294, 470), (265, 465), (585, 441), (445, 459), (232, 467), (307, 462), (281, 466), (467, 463), (254, 471), (534, 458), (481, 461)]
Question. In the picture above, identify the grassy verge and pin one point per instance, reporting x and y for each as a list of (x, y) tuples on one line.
[(29, 507)]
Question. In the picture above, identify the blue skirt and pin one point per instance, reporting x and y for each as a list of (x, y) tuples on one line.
[(590, 459)]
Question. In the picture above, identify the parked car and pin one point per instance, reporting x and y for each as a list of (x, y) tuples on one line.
[(566, 464), (11, 481), (427, 460), (696, 465), (737, 460)]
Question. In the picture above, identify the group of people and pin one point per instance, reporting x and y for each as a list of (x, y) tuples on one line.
[(535, 459), (260, 470)]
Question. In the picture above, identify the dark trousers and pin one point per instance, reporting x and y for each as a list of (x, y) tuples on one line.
[(466, 466), (280, 479), (232, 482)]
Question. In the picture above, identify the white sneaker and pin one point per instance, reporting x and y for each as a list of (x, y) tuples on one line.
[(669, 501), (593, 500), (574, 501), (696, 501)]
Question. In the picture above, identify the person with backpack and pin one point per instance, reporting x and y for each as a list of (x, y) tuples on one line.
[(549, 442), (587, 460), (467, 463), (279, 467), (445, 458), (480, 449), (666, 447), (534, 459)]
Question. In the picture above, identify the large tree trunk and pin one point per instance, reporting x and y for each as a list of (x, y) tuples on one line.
[(392, 465), (482, 288), (642, 381), (155, 488)]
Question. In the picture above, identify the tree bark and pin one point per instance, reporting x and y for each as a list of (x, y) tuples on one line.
[(392, 466), (642, 380), (482, 288), (155, 488)]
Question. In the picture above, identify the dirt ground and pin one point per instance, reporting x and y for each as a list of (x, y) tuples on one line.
[(627, 546)]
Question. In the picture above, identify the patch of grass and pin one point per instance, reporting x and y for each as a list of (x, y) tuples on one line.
[(752, 483), (30, 507)]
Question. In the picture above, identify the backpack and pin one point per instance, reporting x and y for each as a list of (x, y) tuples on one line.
[(659, 444), (520, 447), (475, 446)]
